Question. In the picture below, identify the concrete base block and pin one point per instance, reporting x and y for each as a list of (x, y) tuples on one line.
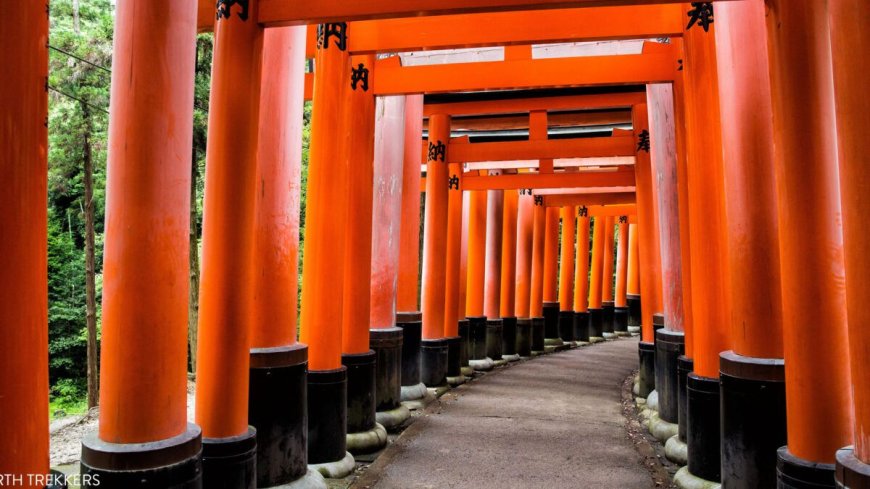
[(685, 480), (499, 363), (393, 418), (634, 330), (483, 364), (677, 451), (413, 392), (536, 353), (454, 381), (467, 371), (553, 341), (609, 336), (661, 429), (437, 392), (652, 401), (367, 441), (635, 389), (623, 334), (511, 358), (311, 480), (595, 339), (420, 403), (335, 470), (581, 343)]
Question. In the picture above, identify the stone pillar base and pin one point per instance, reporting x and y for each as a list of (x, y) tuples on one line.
[(850, 471), (230, 463), (796, 473)]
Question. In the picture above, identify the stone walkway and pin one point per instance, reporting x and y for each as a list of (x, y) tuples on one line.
[(552, 422)]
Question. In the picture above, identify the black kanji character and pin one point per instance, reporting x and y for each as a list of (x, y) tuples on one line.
[(336, 29), (453, 183), (701, 14), (643, 141), (436, 151), (360, 74), (222, 9), (583, 211)]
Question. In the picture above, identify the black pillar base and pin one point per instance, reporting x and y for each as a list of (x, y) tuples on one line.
[(230, 463), (433, 366), (753, 424), (361, 379), (278, 410), (669, 346), (172, 463), (620, 320), (387, 345), (634, 311), (658, 321), (796, 473), (596, 323), (477, 333), (465, 343), (581, 326), (524, 337), (703, 441), (508, 336), (551, 321), (454, 367), (851, 473), (566, 326), (327, 415), (647, 370), (412, 333), (685, 366), (607, 317), (538, 334), (493, 338)]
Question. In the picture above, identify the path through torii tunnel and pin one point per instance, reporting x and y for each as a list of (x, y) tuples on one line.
[(590, 171)]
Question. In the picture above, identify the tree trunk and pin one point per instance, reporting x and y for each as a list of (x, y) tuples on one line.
[(193, 303), (90, 278)]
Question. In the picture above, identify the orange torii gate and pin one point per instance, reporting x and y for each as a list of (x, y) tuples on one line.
[(143, 324)]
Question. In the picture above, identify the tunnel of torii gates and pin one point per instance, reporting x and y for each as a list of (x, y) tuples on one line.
[(719, 163)]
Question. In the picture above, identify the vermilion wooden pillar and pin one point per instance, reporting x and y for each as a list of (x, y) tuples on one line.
[(525, 232), (607, 279), (464, 326), (23, 253), (386, 339), (596, 314), (408, 316), (278, 363), (818, 389), (848, 36), (752, 375), (669, 339), (409, 249), (551, 278), (507, 302), (364, 435), (632, 286), (536, 294), (709, 264), (492, 273), (476, 282), (620, 300), (433, 349), (457, 343), (568, 215), (581, 279), (324, 249)]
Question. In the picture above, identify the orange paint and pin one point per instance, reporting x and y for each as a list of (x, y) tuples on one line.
[(585, 179), (620, 299), (23, 252), (753, 228), (551, 255), (848, 35), (648, 244), (566, 270), (554, 103), (597, 263), (226, 292), (454, 252), (387, 210), (818, 388), (279, 166), (632, 285), (509, 255), (607, 266), (536, 294), (543, 149), (463, 259), (435, 236), (356, 309), (325, 211), (409, 248), (492, 275), (476, 253), (707, 211), (525, 244), (581, 266)]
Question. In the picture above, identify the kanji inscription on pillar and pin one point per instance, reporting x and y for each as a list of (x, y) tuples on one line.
[(338, 30), (539, 200), (623, 219), (453, 183), (583, 211), (643, 141), (359, 75), (223, 9), (437, 151), (525, 191), (701, 14)]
